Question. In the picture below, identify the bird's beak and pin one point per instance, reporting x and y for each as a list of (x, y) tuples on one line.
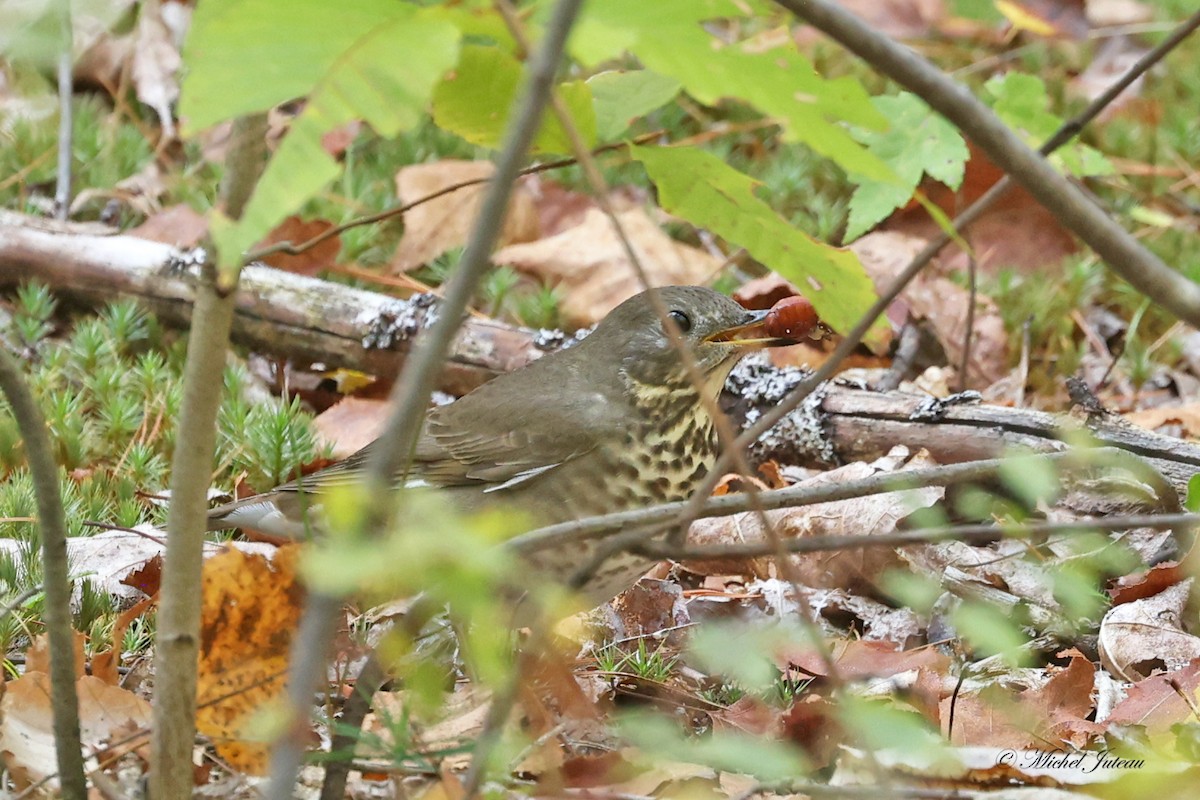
[(750, 333)]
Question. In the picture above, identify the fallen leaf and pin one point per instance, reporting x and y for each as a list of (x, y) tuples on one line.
[(1160, 701), (249, 612), (37, 657), (898, 19), (1146, 636), (939, 302), (156, 60), (298, 231), (1042, 244), (147, 578), (27, 733), (589, 264), (645, 609), (350, 425), (560, 208), (1141, 585), (813, 724), (859, 659), (443, 223), (1186, 416), (178, 226), (105, 663)]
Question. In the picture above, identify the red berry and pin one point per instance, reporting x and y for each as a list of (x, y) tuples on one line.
[(792, 317)]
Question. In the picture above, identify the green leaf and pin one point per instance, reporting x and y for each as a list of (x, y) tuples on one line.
[(245, 56), (1193, 493), (723, 750), (918, 142), (1031, 478), (910, 590), (667, 36), (991, 632), (474, 102), (622, 97), (742, 653), (881, 726), (1022, 102), (385, 78), (709, 193)]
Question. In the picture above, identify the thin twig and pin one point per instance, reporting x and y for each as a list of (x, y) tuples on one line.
[(972, 289), (660, 516), (53, 525)]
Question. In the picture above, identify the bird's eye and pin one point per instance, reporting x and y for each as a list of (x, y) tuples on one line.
[(682, 320)]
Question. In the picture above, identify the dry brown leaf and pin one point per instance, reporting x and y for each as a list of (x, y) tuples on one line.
[(859, 659), (147, 578), (298, 231), (27, 735), (813, 723), (1160, 701), (1186, 416), (178, 226), (940, 302), (646, 608), (589, 265), (856, 568), (1016, 232), (250, 609), (105, 664), (560, 208), (1145, 636), (992, 716), (1140, 585), (1108, 13), (1067, 699), (462, 717), (37, 657), (443, 223), (898, 19), (100, 55), (350, 425), (156, 60), (1114, 57)]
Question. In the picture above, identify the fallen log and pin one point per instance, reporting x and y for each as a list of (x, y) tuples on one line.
[(279, 312)]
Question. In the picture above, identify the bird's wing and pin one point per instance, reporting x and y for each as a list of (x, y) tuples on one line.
[(499, 436), (498, 439)]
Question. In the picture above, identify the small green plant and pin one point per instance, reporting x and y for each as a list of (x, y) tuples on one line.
[(32, 313), (538, 309), (653, 665)]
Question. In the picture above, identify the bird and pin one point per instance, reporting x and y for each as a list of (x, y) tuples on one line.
[(612, 423)]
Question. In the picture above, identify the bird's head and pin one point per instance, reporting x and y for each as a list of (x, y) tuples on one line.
[(715, 330)]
